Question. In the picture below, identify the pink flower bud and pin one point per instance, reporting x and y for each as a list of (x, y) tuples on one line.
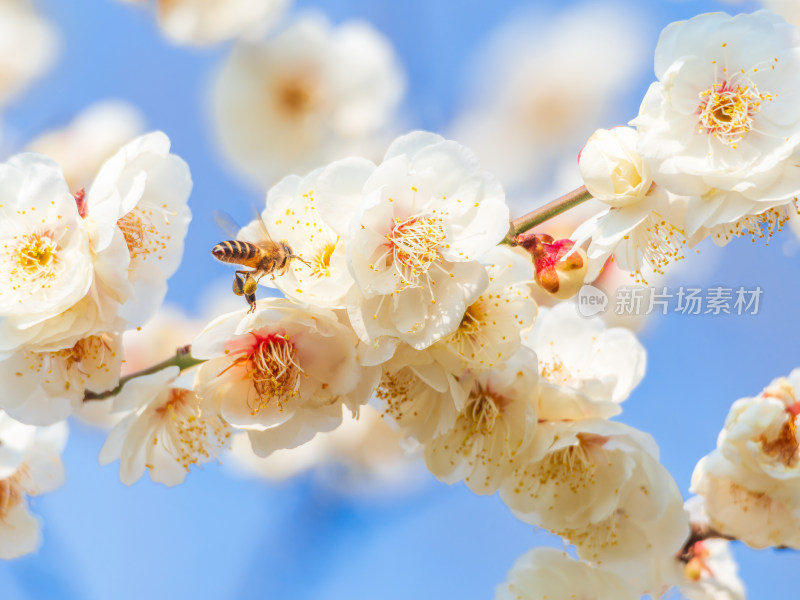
[(560, 268)]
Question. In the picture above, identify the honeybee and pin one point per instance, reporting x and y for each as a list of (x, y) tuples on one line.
[(265, 257)]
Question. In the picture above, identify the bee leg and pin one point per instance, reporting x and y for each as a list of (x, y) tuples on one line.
[(250, 286), (251, 300), (238, 285)]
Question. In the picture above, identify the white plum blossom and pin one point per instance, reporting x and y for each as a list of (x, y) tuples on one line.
[(91, 138), (310, 94), (27, 47), (738, 507), (751, 483), (761, 433), (494, 428), (102, 257), (612, 169), (140, 196), (725, 224), (788, 9), (45, 255), (419, 395), (722, 123), (312, 214), (706, 569), (164, 430), (43, 387), (645, 237), (586, 368), (428, 216), (203, 22), (711, 573), (30, 465), (547, 573), (489, 331), (599, 485), (281, 373), (577, 473)]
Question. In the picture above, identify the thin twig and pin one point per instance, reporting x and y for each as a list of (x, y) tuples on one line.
[(182, 359), (546, 212)]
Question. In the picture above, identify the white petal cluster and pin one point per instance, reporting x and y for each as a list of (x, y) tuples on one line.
[(788, 9), (49, 386), (712, 573), (144, 190), (429, 215), (398, 291), (164, 430), (586, 368), (642, 229), (545, 573), (45, 256), (82, 268), (751, 482), (202, 22), (718, 133), (493, 429), (312, 93), (723, 113), (281, 373), (30, 465), (27, 47), (599, 485), (706, 569), (312, 214), (487, 334), (614, 172)]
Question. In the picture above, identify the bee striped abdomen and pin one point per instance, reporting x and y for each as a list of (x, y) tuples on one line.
[(234, 251)]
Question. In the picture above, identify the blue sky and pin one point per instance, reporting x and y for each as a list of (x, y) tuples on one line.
[(221, 536)]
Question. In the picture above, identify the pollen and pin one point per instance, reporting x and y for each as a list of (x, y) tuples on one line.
[(471, 340), (726, 111), (271, 363), (414, 245), (295, 96), (482, 410), (321, 261), (761, 226), (33, 260), (555, 371), (141, 235), (395, 389), (658, 242), (11, 493), (78, 363), (186, 434), (785, 446), (571, 467)]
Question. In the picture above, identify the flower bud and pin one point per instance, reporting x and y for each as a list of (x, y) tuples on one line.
[(611, 168), (560, 268)]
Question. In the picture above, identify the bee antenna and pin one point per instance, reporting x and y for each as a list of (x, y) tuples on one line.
[(302, 260)]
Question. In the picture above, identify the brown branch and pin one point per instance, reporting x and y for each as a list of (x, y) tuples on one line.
[(546, 212), (182, 359)]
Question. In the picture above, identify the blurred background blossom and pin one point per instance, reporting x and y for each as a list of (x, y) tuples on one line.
[(524, 84)]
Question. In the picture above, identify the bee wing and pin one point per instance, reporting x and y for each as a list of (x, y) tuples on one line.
[(263, 227), (227, 224)]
